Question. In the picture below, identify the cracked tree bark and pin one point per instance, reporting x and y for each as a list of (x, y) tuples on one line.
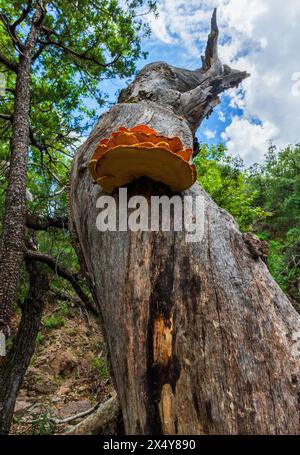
[(11, 242), (201, 338)]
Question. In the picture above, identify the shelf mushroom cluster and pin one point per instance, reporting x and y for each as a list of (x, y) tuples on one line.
[(141, 152)]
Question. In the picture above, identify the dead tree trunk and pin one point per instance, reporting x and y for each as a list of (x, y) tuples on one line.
[(201, 338)]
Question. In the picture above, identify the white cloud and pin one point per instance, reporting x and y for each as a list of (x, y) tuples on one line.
[(221, 116), (209, 133), (159, 28), (248, 140), (260, 37)]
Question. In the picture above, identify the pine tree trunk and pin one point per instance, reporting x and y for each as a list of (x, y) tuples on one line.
[(14, 368), (12, 240), (201, 338)]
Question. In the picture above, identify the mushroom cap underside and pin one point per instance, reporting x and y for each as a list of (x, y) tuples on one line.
[(124, 163)]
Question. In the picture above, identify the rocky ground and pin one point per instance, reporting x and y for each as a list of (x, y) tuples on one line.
[(68, 373)]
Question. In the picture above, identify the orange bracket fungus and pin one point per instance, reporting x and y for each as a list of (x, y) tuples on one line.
[(141, 152)]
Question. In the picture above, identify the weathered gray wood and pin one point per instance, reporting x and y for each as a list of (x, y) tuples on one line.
[(201, 338), (192, 94), (105, 420)]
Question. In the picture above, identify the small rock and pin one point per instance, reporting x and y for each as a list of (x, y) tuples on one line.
[(21, 406), (74, 407), (65, 389), (64, 363), (36, 381)]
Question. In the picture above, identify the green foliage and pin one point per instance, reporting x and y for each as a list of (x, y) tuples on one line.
[(277, 264), (63, 309), (99, 365), (264, 199), (43, 425), (90, 42), (53, 322), (39, 338), (222, 177), (277, 183), (82, 44), (38, 423), (9, 343), (57, 320)]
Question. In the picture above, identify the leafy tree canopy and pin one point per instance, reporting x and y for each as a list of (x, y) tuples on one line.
[(82, 43), (277, 183), (223, 178)]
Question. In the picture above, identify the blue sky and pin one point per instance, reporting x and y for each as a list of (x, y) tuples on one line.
[(212, 128), (259, 37)]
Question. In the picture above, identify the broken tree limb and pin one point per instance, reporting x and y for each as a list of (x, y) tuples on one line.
[(52, 263), (211, 52), (106, 419), (39, 223), (74, 417)]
